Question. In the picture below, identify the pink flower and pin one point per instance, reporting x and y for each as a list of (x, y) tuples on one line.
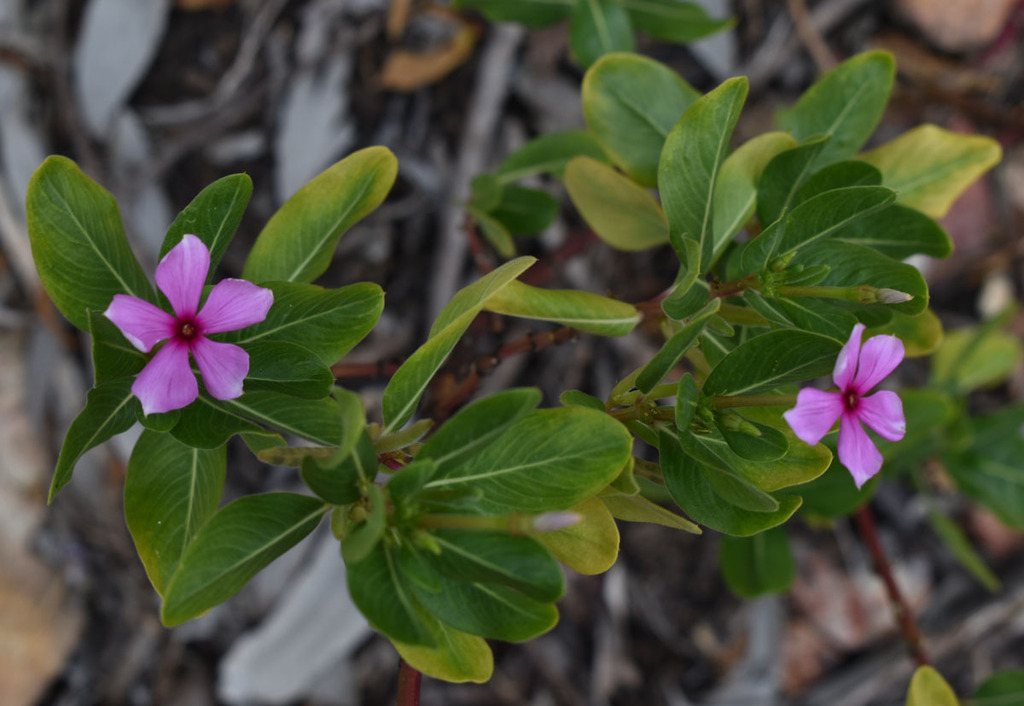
[(167, 382), (857, 371)]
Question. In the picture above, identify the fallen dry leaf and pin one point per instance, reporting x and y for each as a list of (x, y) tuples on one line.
[(408, 70), (958, 25)]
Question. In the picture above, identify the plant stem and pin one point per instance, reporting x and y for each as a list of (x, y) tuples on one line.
[(408, 685), (908, 626), (727, 401)]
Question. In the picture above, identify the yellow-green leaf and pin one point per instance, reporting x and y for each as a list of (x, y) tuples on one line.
[(637, 508), (458, 656), (580, 310), (589, 547), (928, 688), (622, 213), (298, 242), (930, 167)]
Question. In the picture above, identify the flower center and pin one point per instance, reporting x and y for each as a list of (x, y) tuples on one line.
[(187, 330), (851, 399)]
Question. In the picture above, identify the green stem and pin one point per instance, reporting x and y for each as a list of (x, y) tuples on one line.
[(862, 294), (727, 401)]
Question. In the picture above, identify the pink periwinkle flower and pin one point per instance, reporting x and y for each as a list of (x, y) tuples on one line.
[(857, 371), (167, 381)]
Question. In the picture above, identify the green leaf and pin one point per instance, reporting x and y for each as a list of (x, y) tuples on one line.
[(112, 355), (338, 481), (532, 13), (363, 535), (206, 424), (736, 192), (496, 557), (488, 609), (758, 565), (170, 491), (769, 444), (928, 688), (298, 242), (630, 104), (813, 220), (692, 159), (318, 421), (675, 348), (773, 359), (845, 104), (410, 381), (550, 459), (577, 398), (597, 28), (548, 154), (692, 492), (328, 322), (852, 265), (622, 214), (110, 409), (588, 547), (674, 21), (687, 396), (1003, 688), (782, 178), (212, 216), (457, 657), (637, 508), (78, 242), (287, 368), (930, 167), (478, 424), (921, 334), (818, 315), (384, 596), (580, 310), (525, 211), (839, 175), (486, 190), (990, 472), (833, 493), (233, 546), (898, 232), (959, 545), (976, 357)]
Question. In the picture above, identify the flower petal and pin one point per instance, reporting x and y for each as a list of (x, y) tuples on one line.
[(223, 365), (167, 381), (814, 414), (234, 304), (846, 363), (883, 413), (182, 273), (142, 323), (879, 357), (856, 450)]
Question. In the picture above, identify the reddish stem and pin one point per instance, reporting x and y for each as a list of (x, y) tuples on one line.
[(908, 626), (409, 681)]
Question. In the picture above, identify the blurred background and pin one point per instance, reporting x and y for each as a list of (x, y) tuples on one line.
[(157, 98)]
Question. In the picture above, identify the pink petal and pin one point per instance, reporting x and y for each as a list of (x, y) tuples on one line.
[(846, 363), (814, 414), (182, 273), (856, 450), (223, 365), (142, 323), (879, 357), (167, 381), (883, 413), (234, 304)]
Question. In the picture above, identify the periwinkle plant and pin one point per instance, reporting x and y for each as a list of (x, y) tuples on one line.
[(452, 533)]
